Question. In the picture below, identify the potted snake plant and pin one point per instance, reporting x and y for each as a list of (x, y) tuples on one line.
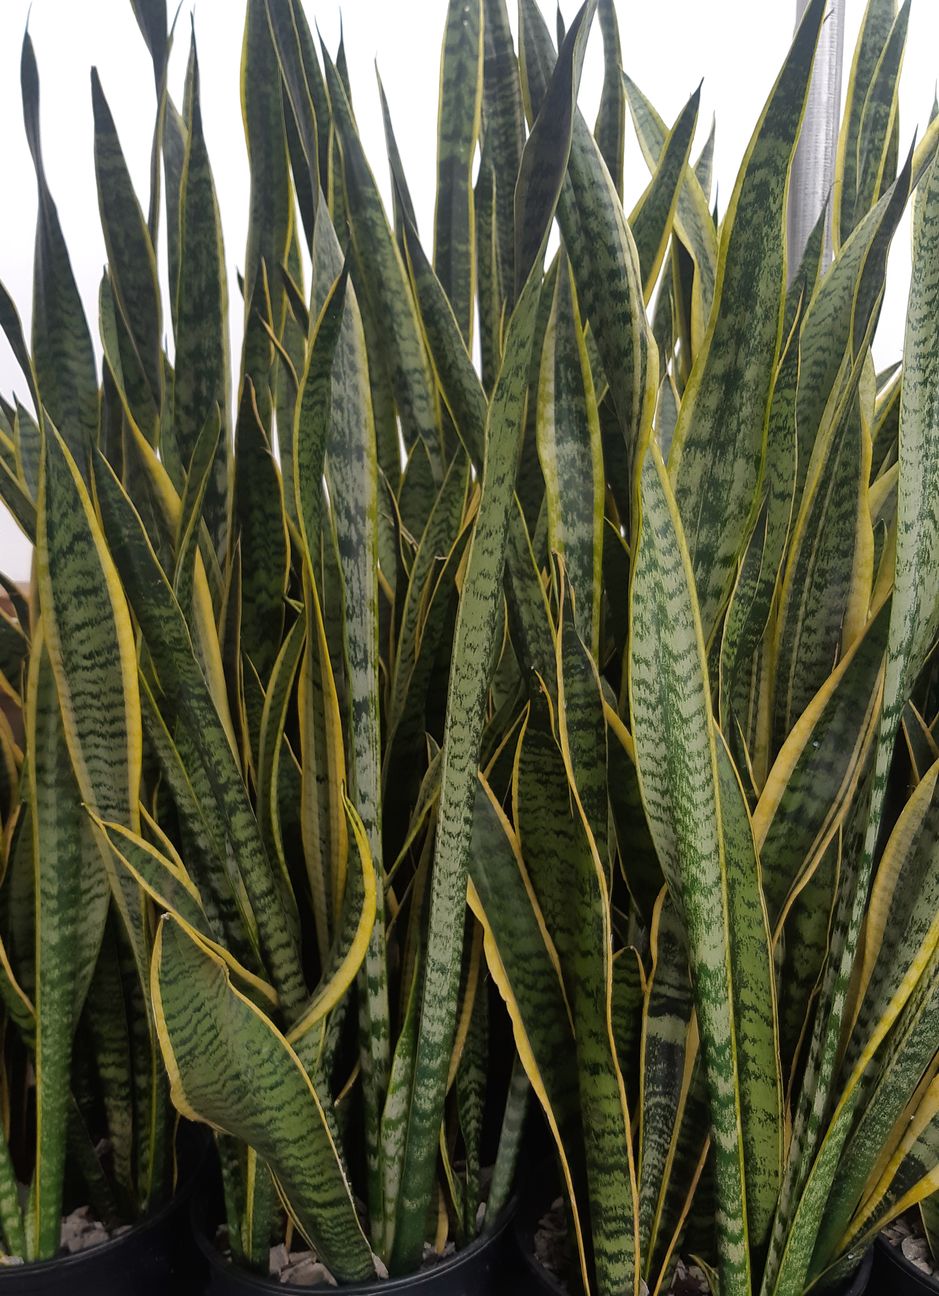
[(89, 1156), (277, 632), (720, 849), (444, 736)]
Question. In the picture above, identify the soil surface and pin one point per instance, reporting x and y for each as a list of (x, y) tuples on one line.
[(80, 1232), (554, 1251), (906, 1233)]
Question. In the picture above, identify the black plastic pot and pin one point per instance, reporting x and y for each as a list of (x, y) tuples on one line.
[(484, 1268), (157, 1257), (861, 1282), (897, 1276), (537, 1281)]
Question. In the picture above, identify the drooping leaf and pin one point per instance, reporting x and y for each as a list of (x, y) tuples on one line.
[(221, 1053)]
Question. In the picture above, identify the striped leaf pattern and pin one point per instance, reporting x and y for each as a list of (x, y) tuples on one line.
[(728, 391), (669, 693), (220, 1052), (509, 687)]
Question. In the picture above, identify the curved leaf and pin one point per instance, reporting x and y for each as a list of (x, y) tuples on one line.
[(230, 1066)]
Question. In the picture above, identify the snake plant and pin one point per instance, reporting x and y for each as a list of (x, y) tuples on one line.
[(567, 725), (265, 611), (721, 806)]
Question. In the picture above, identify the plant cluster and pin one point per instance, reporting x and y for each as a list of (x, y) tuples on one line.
[(409, 743)]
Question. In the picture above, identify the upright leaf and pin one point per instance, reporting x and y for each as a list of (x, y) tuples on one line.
[(385, 282), (131, 257), (71, 906), (717, 453), (503, 120), (568, 432), (202, 378), (602, 254), (678, 773), (461, 88), (875, 29), (62, 350), (610, 128)]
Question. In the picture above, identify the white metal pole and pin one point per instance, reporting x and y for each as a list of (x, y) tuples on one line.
[(813, 169)]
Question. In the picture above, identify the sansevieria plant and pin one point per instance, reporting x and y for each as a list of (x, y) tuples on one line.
[(436, 735), (722, 799), (272, 672)]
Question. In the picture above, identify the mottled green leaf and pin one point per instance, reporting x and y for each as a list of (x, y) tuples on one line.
[(458, 123), (717, 453), (222, 1053)]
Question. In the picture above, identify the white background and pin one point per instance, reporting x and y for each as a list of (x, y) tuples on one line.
[(668, 46)]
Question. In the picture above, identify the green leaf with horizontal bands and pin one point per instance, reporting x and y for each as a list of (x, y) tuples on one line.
[(875, 29), (877, 140), (385, 282), (503, 133), (812, 782), (474, 640), (71, 907), (665, 1050), (669, 695), (89, 637), (523, 964), (269, 203), (260, 524), (322, 822), (131, 258), (547, 149), (693, 222), (461, 86), (13, 330), (62, 351), (837, 316), (605, 1115), (189, 702), (312, 414), (202, 379), (601, 252), (651, 219), (716, 459), (352, 473), (571, 457), (610, 128), (230, 1066), (914, 618), (753, 982), (818, 580)]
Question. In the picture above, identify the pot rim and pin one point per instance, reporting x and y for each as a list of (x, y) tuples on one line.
[(899, 1259), (74, 1259), (858, 1284), (526, 1225), (148, 1224), (405, 1283)]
